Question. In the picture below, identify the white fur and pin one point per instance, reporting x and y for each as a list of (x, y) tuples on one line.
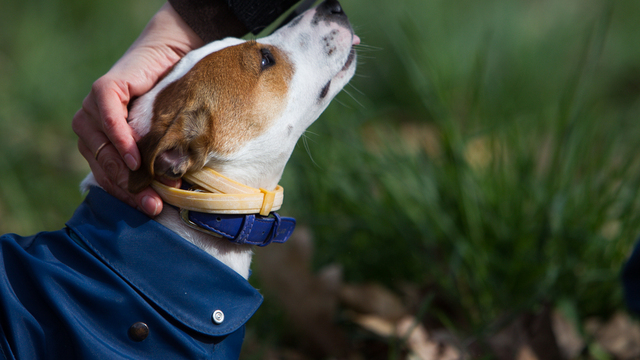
[(318, 53)]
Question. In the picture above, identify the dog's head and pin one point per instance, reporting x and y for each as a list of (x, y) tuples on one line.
[(240, 106)]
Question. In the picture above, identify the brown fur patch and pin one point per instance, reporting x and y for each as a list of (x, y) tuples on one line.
[(225, 100)]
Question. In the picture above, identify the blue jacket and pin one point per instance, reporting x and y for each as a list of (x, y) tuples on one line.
[(115, 284)]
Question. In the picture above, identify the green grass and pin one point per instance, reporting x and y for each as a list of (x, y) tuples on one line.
[(495, 156), (489, 149)]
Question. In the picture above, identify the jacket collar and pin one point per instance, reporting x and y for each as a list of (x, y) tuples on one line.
[(170, 272)]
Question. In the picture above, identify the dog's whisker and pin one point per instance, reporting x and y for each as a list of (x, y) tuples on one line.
[(356, 89), (361, 50), (354, 98), (309, 132), (365, 47), (342, 103), (308, 150)]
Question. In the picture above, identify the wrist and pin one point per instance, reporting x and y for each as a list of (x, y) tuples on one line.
[(167, 28), (209, 19), (172, 23)]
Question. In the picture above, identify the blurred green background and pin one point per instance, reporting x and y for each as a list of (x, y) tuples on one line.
[(485, 149)]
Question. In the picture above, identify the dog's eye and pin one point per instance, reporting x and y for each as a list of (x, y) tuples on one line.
[(267, 59)]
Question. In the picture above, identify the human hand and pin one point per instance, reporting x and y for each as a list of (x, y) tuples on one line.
[(102, 120)]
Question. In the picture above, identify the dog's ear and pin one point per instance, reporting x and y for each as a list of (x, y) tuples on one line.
[(172, 150)]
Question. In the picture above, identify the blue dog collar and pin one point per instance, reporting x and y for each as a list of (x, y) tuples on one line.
[(251, 229)]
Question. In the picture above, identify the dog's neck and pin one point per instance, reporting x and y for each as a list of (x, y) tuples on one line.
[(236, 256)]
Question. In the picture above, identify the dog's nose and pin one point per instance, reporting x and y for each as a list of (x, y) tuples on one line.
[(331, 10), (332, 7)]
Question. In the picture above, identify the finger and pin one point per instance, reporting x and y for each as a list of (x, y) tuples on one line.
[(104, 178), (114, 179), (87, 129), (111, 100), (88, 125), (149, 202)]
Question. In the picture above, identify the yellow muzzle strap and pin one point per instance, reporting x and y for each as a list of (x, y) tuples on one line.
[(217, 194)]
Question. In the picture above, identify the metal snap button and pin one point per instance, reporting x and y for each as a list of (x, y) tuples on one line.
[(138, 331), (218, 317)]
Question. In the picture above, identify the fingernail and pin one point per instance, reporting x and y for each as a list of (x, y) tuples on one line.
[(150, 205), (131, 162)]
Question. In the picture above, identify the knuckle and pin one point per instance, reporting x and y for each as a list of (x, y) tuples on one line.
[(116, 171), (78, 121), (84, 150), (112, 167), (123, 179), (99, 85), (109, 123)]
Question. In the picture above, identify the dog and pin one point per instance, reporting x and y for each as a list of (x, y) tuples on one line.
[(116, 284)]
